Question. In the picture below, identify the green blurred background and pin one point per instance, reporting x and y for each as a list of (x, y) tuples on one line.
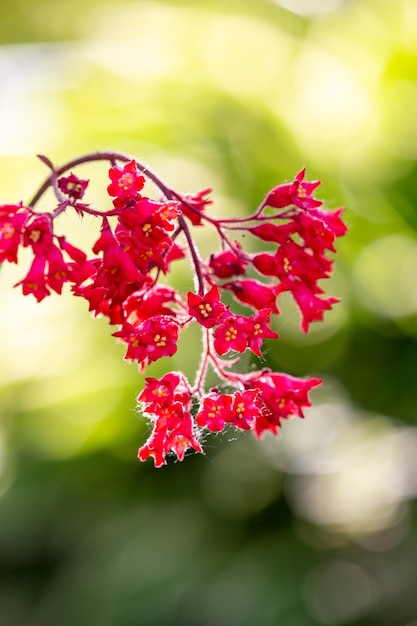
[(318, 526)]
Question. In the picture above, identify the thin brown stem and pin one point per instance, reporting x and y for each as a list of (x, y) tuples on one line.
[(194, 254), (101, 156)]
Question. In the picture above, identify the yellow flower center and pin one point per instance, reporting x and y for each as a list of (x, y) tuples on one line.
[(7, 231), (71, 186), (215, 411), (240, 409), (231, 333), (160, 341), (35, 235), (125, 181), (205, 309)]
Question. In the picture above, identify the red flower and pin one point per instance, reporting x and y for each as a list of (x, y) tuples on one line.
[(182, 437), (117, 264), (247, 408), (113, 278), (173, 432), (331, 219), (58, 271), (147, 303), (237, 332), (12, 220), (292, 263), (298, 192), (315, 233), (154, 338), (206, 309), (126, 182), (174, 253), (143, 232), (35, 280), (232, 334), (282, 395), (274, 232), (74, 253), (194, 204), (72, 186), (144, 251), (227, 263), (154, 447), (215, 412), (165, 213), (259, 330), (163, 392), (266, 264), (144, 210), (311, 306), (256, 294), (38, 234)]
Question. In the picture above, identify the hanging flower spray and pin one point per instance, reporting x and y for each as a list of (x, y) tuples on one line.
[(124, 277)]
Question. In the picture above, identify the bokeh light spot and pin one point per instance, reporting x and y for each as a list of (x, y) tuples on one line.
[(338, 592), (384, 275)]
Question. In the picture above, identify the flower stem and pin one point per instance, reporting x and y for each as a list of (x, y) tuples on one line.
[(100, 156)]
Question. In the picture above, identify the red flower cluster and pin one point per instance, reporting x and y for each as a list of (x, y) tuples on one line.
[(120, 279)]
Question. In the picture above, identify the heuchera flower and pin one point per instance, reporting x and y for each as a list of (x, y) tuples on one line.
[(58, 271), (256, 294), (38, 234), (232, 334), (12, 220), (247, 408), (35, 281), (215, 411), (298, 192), (193, 205), (124, 277), (118, 266), (282, 396), (126, 182), (168, 401), (151, 340), (259, 330), (49, 269), (113, 278), (228, 263), (238, 332), (301, 260), (241, 409), (159, 393), (72, 186), (148, 302), (173, 432), (311, 306), (143, 231), (206, 309)]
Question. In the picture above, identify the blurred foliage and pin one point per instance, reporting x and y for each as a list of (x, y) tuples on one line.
[(319, 525)]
